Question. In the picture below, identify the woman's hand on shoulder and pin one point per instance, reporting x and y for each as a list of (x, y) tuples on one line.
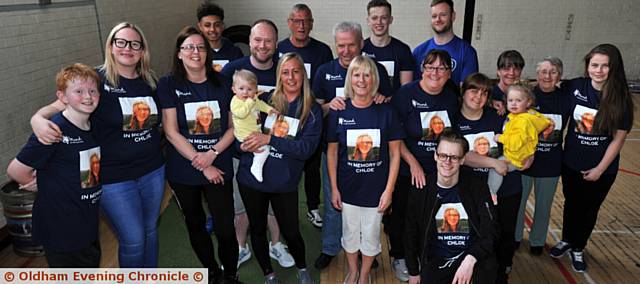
[(337, 103), (46, 131), (378, 98), (213, 175)]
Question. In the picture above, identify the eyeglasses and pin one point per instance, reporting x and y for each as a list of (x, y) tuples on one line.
[(122, 43), (434, 69), (193, 47), (452, 158), (549, 72), (301, 21)]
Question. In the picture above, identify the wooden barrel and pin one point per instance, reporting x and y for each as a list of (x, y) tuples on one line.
[(18, 205)]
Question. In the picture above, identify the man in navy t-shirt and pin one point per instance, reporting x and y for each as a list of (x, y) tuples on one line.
[(464, 59), (262, 43), (394, 54), (313, 52), (211, 24)]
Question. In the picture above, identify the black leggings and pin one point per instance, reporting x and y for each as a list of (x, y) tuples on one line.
[(312, 180), (582, 200), (285, 209), (220, 202), (507, 210)]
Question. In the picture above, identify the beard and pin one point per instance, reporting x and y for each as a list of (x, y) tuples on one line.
[(445, 29)]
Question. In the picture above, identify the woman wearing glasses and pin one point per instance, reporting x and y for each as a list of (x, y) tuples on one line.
[(476, 118), (132, 168), (198, 162), (433, 95)]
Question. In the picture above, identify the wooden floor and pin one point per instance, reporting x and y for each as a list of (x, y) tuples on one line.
[(613, 251)]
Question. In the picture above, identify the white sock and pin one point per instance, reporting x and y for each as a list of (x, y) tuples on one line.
[(258, 162)]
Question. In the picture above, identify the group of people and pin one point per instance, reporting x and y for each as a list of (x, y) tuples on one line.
[(392, 137)]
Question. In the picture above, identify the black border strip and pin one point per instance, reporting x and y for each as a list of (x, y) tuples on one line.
[(29, 7)]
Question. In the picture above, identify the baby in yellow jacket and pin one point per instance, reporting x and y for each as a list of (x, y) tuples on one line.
[(520, 134), (245, 110)]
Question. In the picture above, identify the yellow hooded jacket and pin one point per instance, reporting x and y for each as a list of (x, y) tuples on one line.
[(520, 135)]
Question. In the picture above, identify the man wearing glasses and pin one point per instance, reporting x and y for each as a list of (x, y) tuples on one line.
[(313, 52), (440, 255), (464, 59)]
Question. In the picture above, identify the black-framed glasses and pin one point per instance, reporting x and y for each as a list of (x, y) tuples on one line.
[(452, 158), (299, 22), (193, 47), (434, 69), (133, 44)]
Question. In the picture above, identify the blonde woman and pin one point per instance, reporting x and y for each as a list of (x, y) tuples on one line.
[(132, 170)]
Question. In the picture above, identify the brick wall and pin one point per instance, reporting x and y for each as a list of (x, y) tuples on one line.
[(35, 44)]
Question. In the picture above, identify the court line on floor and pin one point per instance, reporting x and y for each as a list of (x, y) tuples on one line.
[(563, 269), (618, 232), (629, 172)]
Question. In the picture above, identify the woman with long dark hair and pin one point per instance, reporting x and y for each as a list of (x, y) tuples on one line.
[(199, 163), (591, 159)]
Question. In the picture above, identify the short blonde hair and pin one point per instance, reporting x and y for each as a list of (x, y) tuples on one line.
[(366, 64), (245, 75)]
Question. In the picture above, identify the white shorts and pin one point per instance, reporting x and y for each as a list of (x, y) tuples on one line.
[(361, 229)]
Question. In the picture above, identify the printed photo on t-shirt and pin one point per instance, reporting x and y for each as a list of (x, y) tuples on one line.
[(584, 118), (553, 132), (281, 126), (452, 218), (483, 144), (363, 144), (219, 64), (90, 167), (203, 118), (434, 123), (138, 113)]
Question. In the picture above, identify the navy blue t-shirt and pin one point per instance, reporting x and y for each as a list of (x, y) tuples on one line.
[(266, 78), (65, 212), (418, 111), (283, 169), (227, 53), (453, 231), (314, 54), (479, 133), (464, 59), (497, 94), (202, 110), (329, 81), (548, 156), (131, 148), (395, 57), (362, 175), (583, 149)]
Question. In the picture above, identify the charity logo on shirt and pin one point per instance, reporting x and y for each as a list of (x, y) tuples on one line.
[(553, 132), (433, 124), (483, 144), (584, 118), (363, 145), (203, 118), (281, 126), (138, 113), (90, 167)]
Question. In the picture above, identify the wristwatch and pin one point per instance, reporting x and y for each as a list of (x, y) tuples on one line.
[(215, 151)]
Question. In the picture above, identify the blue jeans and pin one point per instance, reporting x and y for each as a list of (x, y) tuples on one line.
[(332, 219), (545, 190), (132, 208)]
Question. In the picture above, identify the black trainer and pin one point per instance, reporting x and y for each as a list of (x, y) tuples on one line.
[(577, 261), (560, 249), (323, 261)]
